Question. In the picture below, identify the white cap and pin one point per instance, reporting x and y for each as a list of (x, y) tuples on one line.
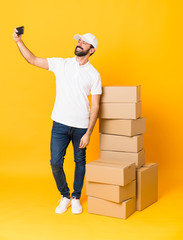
[(89, 38)]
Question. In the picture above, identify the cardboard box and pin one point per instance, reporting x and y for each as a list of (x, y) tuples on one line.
[(120, 110), (107, 208), (110, 172), (126, 127), (121, 143), (110, 192), (121, 94), (138, 158), (147, 185)]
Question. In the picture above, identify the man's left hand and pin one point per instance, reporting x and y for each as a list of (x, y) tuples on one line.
[(84, 140)]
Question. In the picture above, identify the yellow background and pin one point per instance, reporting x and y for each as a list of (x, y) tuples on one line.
[(140, 42)]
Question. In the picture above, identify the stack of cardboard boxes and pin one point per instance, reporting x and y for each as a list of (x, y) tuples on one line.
[(120, 182)]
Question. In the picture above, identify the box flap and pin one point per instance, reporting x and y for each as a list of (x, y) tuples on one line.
[(111, 163), (145, 166)]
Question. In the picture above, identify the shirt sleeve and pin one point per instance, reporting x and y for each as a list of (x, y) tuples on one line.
[(54, 63), (97, 86)]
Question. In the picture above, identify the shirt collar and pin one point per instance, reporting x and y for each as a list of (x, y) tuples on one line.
[(81, 66)]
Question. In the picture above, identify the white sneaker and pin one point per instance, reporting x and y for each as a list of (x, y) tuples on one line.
[(76, 206), (64, 204)]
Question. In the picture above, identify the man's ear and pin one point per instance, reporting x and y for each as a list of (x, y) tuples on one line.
[(92, 50)]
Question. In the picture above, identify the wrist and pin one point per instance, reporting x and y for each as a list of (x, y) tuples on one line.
[(19, 41), (88, 132)]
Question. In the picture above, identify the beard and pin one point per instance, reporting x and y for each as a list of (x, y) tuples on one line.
[(81, 53)]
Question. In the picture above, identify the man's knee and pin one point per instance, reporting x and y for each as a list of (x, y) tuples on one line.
[(80, 159)]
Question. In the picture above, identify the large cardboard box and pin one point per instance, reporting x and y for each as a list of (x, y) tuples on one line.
[(147, 185), (121, 143), (120, 110), (126, 127), (114, 193), (110, 172), (107, 208), (121, 94), (134, 157)]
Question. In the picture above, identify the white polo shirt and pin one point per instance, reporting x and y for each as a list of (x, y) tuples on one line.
[(74, 83)]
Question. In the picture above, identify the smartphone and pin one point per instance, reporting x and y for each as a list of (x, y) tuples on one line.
[(20, 30)]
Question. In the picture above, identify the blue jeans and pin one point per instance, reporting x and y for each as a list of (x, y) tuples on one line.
[(61, 136)]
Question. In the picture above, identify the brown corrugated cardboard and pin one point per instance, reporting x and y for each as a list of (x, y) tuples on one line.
[(121, 94), (107, 208), (120, 110), (138, 157), (110, 172), (121, 143), (110, 192), (126, 127), (147, 185)]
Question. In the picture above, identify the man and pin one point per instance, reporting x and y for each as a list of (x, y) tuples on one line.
[(73, 120)]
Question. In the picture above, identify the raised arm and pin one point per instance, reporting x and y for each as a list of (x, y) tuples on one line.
[(27, 54)]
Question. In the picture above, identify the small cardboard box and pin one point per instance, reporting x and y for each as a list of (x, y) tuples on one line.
[(121, 93), (121, 143), (114, 193), (138, 157), (120, 110), (147, 185), (110, 172), (126, 127), (107, 208)]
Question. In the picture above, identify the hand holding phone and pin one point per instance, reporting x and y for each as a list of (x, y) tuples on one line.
[(20, 30), (17, 34)]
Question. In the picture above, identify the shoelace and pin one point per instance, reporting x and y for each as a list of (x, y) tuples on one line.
[(60, 200)]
